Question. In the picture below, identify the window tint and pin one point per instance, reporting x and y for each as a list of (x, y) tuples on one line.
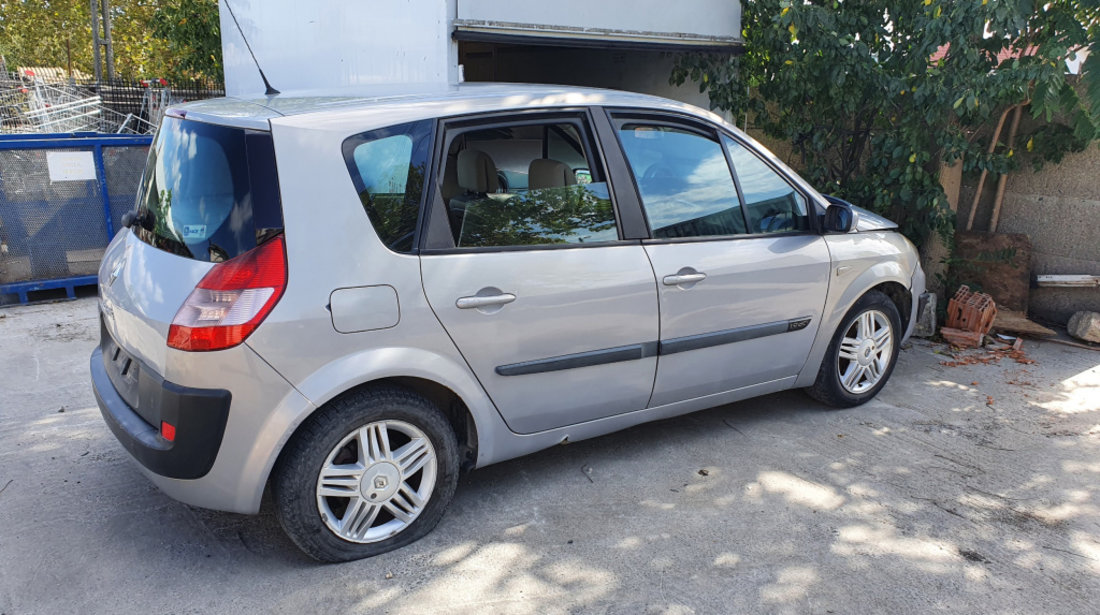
[(684, 181), (771, 204), (518, 186), (388, 168), (209, 192)]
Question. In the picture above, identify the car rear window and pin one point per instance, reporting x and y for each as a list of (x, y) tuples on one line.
[(209, 192)]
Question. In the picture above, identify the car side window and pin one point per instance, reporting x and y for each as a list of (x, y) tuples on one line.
[(683, 179), (528, 184), (772, 205), (388, 167)]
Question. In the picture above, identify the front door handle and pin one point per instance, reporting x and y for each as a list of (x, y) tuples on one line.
[(483, 301), (684, 278)]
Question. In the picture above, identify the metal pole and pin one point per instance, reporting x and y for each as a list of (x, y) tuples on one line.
[(106, 6), (95, 42), (69, 56)]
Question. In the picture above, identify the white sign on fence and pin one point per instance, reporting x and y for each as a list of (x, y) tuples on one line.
[(70, 166)]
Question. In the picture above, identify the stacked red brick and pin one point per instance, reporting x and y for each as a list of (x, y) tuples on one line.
[(970, 317)]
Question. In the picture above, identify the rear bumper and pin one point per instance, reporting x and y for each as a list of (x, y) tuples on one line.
[(198, 415)]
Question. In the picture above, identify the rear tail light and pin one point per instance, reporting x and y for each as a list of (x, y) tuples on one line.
[(231, 300)]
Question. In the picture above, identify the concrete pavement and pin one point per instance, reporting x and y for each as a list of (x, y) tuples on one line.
[(969, 488)]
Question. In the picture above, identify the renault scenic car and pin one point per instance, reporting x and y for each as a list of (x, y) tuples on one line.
[(348, 300)]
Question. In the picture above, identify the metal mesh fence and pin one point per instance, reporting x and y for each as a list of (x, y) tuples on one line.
[(123, 167), (60, 201), (50, 229)]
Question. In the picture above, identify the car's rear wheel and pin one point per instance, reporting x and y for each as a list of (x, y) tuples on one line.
[(371, 472), (862, 354)]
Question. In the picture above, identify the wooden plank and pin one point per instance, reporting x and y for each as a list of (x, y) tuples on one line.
[(1017, 322), (1069, 281)]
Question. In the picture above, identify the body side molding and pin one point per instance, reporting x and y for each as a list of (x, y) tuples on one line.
[(634, 352)]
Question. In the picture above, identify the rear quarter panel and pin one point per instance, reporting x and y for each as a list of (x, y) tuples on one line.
[(331, 245)]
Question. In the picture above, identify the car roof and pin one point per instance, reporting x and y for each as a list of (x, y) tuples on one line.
[(387, 104)]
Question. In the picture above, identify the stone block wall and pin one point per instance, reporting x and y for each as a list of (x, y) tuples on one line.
[(1058, 207)]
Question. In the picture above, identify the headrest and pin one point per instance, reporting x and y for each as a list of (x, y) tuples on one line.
[(547, 173), (476, 172)]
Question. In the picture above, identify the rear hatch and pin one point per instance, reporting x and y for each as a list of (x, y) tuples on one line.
[(209, 194)]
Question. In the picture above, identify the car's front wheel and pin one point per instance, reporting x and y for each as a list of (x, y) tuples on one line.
[(371, 472), (862, 354)]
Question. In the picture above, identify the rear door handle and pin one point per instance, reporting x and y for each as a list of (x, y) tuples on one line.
[(481, 301), (684, 278)]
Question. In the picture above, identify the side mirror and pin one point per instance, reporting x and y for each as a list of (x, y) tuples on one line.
[(839, 217), (128, 219)]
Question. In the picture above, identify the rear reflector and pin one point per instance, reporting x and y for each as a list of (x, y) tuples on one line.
[(168, 431), (231, 300)]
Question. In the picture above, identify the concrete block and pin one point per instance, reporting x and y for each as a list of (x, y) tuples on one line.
[(1085, 326), (926, 319)]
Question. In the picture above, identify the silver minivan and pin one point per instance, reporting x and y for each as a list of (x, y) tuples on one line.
[(348, 300)]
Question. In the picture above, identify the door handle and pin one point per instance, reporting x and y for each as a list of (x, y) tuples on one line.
[(480, 301), (684, 278)]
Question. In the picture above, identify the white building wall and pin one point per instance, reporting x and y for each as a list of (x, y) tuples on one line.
[(325, 43), (686, 20), (314, 44)]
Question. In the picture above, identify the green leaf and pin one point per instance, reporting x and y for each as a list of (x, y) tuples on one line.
[(1090, 76)]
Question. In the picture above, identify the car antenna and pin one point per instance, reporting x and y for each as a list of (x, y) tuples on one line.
[(270, 90)]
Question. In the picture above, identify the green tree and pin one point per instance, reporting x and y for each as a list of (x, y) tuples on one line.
[(876, 95), (193, 35), (40, 33), (174, 39)]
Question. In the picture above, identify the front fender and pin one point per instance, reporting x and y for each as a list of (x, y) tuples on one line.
[(860, 262)]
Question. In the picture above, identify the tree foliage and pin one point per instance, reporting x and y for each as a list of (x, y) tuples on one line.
[(174, 39), (874, 95), (192, 32)]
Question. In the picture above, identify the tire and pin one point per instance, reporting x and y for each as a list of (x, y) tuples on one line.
[(386, 462), (854, 378)]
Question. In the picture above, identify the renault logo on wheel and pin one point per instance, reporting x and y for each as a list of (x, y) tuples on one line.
[(380, 482)]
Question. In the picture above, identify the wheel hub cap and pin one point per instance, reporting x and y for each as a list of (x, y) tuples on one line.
[(866, 352), (380, 482)]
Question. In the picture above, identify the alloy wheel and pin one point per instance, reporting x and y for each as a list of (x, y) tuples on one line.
[(865, 352), (376, 481)]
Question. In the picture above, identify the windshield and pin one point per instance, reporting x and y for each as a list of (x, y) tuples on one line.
[(209, 192)]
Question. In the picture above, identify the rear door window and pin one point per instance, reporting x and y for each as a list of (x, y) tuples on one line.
[(209, 192), (526, 184)]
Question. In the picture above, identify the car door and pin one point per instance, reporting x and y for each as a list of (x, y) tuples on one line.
[(526, 267), (742, 271)]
